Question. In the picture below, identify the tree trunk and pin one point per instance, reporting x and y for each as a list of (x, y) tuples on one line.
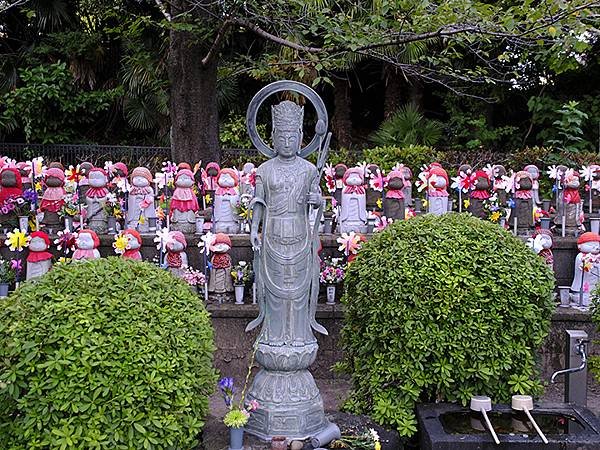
[(393, 90), (341, 122), (416, 93), (193, 101)]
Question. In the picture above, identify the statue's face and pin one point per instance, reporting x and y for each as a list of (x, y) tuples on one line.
[(37, 244), (545, 241), (482, 184), (395, 183), (499, 171), (84, 241), (248, 167), (54, 182), (354, 179), (220, 248), (590, 247), (406, 173), (175, 246), (184, 181), (534, 172), (573, 183), (140, 182), (97, 179), (132, 242), (226, 180), (286, 143), (438, 182)]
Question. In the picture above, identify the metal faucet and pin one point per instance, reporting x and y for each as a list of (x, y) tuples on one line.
[(579, 349)]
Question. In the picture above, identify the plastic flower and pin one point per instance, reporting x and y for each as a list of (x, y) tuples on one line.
[(466, 203), (236, 418), (16, 240), (379, 203), (38, 166), (409, 213), (383, 223), (253, 405), (16, 265), (207, 199), (495, 216), (121, 244)]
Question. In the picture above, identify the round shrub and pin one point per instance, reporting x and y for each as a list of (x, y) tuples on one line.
[(106, 354), (441, 309)]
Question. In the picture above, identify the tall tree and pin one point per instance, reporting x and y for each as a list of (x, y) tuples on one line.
[(503, 41)]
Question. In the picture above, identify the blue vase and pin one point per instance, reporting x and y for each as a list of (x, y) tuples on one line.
[(236, 438)]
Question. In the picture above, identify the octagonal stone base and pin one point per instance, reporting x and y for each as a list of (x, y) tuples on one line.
[(290, 405)]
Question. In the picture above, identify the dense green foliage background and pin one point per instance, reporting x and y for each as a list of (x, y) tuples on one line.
[(104, 354), (90, 71), (441, 309)]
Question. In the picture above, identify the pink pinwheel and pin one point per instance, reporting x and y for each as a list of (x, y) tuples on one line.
[(377, 181), (350, 243)]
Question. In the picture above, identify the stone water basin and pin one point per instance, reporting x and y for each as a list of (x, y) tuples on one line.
[(447, 426)]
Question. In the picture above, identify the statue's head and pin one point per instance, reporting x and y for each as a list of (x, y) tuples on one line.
[(287, 128)]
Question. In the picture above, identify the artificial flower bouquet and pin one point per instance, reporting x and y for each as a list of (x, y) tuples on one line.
[(238, 414), (333, 271), (241, 273)]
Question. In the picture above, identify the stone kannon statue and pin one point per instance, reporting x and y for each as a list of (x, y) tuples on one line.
[(286, 264), (247, 179), (559, 186), (353, 213), (10, 187), (338, 172), (95, 198), (25, 172)]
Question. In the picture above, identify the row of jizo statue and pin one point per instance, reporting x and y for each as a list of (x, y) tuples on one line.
[(173, 256), (217, 199)]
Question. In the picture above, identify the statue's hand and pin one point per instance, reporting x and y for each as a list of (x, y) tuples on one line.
[(255, 241), (314, 199)]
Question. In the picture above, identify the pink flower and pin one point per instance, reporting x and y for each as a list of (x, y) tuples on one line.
[(253, 405)]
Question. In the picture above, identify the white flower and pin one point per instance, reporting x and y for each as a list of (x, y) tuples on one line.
[(552, 172), (242, 263)]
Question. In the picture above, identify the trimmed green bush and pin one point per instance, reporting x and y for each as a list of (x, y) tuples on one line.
[(441, 309), (106, 354)]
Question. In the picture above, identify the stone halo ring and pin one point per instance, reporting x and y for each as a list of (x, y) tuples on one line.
[(279, 86)]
